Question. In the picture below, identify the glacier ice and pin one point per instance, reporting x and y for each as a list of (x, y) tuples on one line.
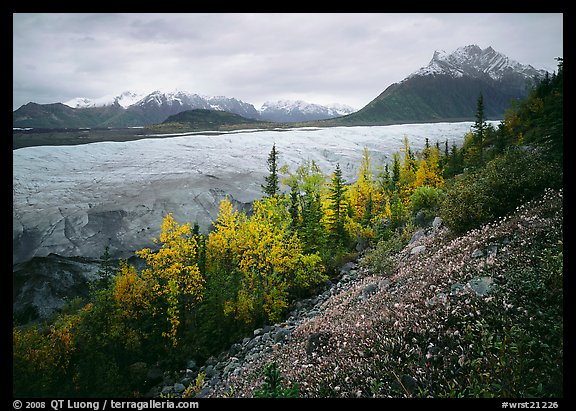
[(75, 200)]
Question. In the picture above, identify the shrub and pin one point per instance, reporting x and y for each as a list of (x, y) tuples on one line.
[(478, 197), (272, 387), (381, 260), (425, 202)]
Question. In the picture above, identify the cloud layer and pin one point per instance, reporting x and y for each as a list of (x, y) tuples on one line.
[(321, 58)]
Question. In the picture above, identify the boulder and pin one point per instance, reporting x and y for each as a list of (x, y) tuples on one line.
[(481, 285), (418, 249), (436, 223), (418, 234), (281, 335), (179, 388), (477, 253), (368, 291), (318, 343)]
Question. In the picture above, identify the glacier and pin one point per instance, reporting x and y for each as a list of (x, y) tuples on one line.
[(75, 200), (70, 202)]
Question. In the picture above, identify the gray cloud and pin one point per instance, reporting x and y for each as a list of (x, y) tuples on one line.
[(323, 58)]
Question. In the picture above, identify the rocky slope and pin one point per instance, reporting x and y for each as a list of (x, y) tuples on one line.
[(450, 317)]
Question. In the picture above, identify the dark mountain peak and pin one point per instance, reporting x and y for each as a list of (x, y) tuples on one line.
[(473, 49)]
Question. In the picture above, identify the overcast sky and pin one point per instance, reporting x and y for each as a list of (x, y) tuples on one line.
[(346, 58)]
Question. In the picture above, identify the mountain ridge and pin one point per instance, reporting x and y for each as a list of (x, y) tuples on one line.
[(132, 109), (474, 61), (298, 110), (124, 99)]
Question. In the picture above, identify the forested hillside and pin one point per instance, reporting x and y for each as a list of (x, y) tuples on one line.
[(199, 293)]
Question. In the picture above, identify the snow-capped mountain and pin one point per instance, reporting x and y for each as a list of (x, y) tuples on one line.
[(341, 109), (158, 105), (299, 110), (447, 89), (472, 61), (125, 99), (125, 110), (137, 109), (172, 98), (83, 102)]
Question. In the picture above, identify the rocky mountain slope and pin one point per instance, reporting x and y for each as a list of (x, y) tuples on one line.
[(58, 115), (158, 106), (452, 315)]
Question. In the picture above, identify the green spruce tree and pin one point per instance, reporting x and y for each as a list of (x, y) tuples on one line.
[(107, 269), (271, 188), (337, 190), (480, 127), (395, 171)]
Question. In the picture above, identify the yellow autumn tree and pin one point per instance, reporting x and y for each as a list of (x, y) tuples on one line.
[(222, 249), (223, 237), (41, 358), (224, 276), (172, 274), (132, 300), (429, 172), (408, 169), (268, 256), (130, 291), (367, 200)]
